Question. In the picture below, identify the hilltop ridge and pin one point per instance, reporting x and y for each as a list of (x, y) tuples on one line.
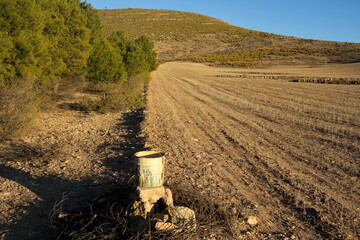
[(190, 36)]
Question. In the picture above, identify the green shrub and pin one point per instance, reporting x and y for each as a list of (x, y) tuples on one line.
[(105, 64)]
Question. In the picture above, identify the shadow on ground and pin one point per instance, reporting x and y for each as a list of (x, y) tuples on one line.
[(132, 142), (34, 219)]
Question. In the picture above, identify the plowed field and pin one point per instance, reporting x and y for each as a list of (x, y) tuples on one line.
[(285, 152)]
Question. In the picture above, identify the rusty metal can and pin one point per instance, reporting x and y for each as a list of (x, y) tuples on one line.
[(149, 169)]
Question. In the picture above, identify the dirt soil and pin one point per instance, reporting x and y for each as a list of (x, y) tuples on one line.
[(284, 152), (70, 156)]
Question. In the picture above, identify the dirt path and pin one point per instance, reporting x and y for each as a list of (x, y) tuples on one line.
[(77, 156), (285, 152)]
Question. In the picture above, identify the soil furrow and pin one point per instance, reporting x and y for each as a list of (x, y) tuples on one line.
[(284, 152)]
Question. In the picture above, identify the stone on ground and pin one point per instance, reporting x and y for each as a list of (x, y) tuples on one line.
[(182, 215), (168, 198), (139, 208), (151, 195), (252, 221), (165, 226)]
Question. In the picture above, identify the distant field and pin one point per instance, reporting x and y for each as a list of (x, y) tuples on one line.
[(199, 38), (285, 152)]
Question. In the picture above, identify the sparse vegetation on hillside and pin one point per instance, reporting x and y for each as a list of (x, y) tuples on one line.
[(166, 24), (53, 46), (246, 58), (195, 37)]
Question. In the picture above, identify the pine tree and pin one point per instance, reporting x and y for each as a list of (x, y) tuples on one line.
[(93, 22), (148, 48), (105, 64), (119, 41), (135, 59), (75, 37), (7, 69), (25, 52), (138, 55)]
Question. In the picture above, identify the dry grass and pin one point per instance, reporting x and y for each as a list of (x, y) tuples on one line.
[(109, 220), (18, 108), (115, 96)]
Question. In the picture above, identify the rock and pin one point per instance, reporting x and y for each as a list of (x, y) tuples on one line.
[(252, 221), (148, 209), (233, 211), (139, 208), (151, 195), (168, 199), (160, 217), (165, 226), (182, 216), (62, 215)]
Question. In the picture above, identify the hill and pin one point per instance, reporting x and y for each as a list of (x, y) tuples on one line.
[(199, 38)]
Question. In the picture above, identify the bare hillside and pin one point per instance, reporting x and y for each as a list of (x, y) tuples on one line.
[(184, 35)]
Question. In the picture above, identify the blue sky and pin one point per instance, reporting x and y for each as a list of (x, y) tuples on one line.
[(336, 20)]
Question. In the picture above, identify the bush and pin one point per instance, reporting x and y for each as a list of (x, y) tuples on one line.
[(246, 58), (117, 96), (18, 108)]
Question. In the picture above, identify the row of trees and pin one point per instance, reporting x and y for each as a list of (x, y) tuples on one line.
[(48, 40), (115, 57), (44, 43)]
